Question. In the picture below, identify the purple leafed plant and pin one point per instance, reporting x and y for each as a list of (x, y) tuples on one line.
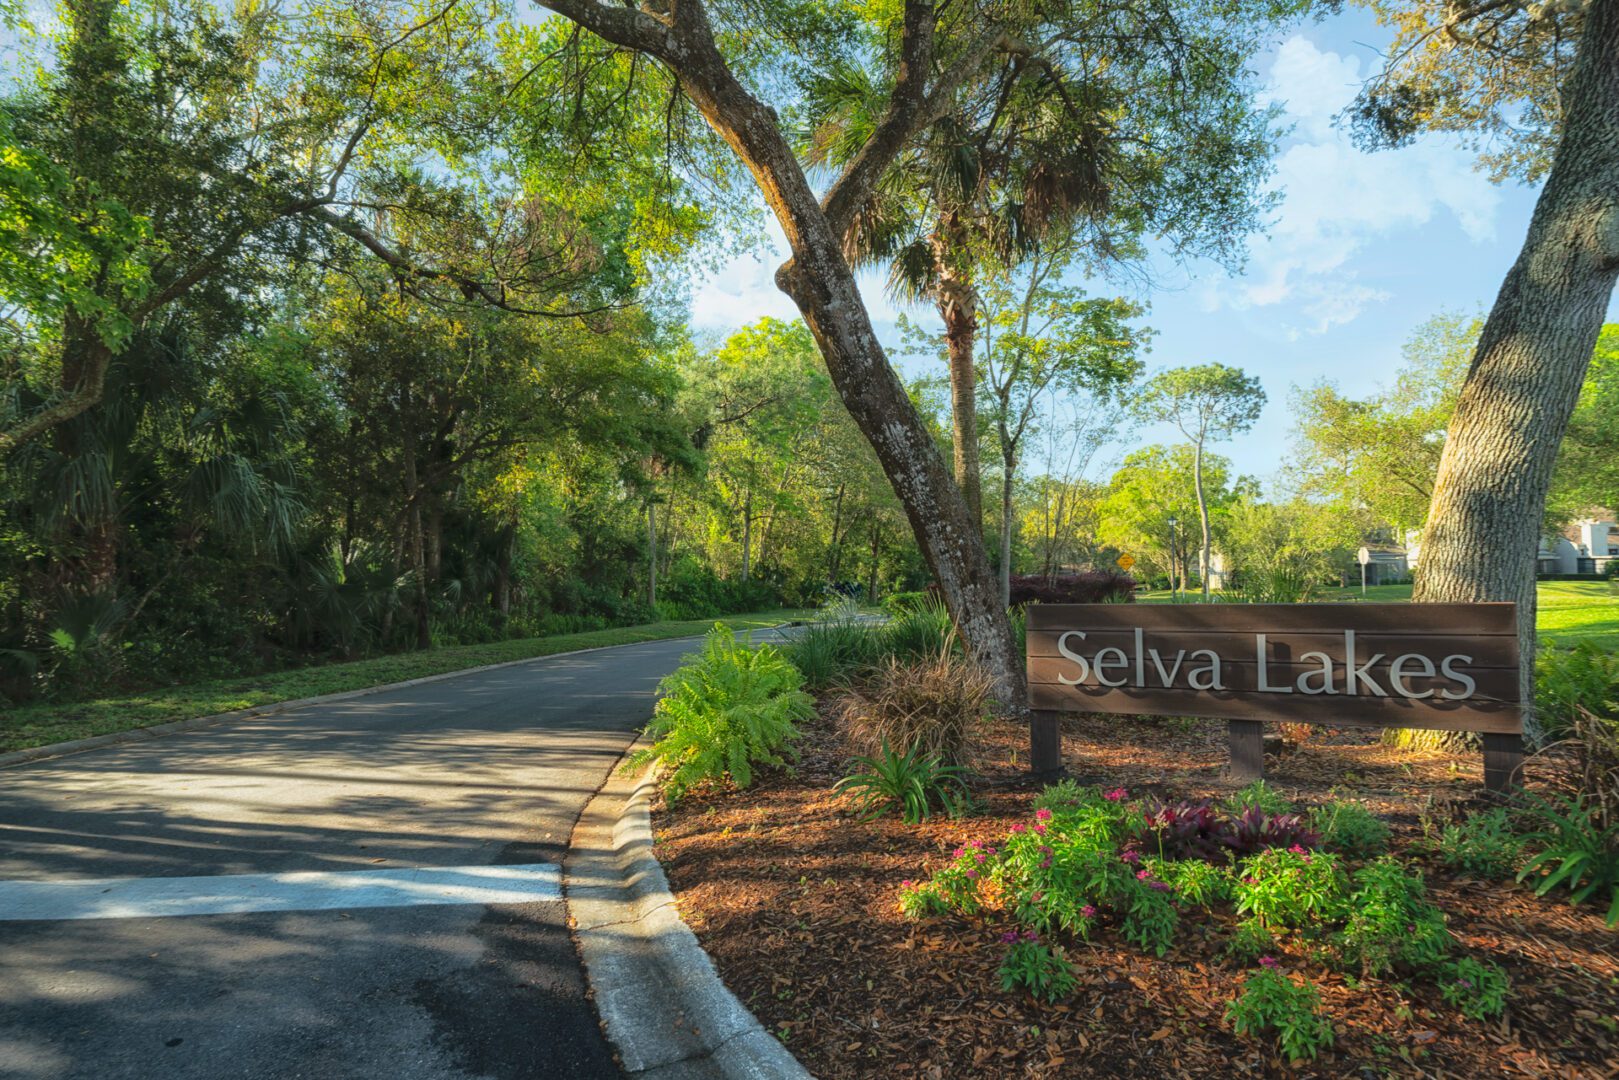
[(1200, 830)]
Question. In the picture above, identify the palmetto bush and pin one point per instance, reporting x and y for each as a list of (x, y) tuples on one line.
[(728, 708)]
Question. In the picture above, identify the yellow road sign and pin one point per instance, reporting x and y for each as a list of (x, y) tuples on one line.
[(1125, 561)]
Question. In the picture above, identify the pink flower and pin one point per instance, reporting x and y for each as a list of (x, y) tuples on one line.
[(958, 853), (1088, 911), (1131, 857), (1041, 829), (1118, 794), (1019, 827), (1045, 863), (1009, 937), (1267, 961), (907, 884), (972, 873), (1030, 935), (1143, 874), (1298, 849), (1042, 814)]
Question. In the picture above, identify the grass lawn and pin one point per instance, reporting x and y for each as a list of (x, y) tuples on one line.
[(39, 725), (1568, 611)]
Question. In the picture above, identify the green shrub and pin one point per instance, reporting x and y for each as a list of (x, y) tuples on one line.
[(1478, 990), (828, 653), (1290, 887), (1193, 880), (1271, 1002), (1483, 844), (723, 711), (1258, 794), (1585, 676), (912, 782), (1034, 966), (922, 633), (1392, 921), (1350, 829), (1251, 941), (903, 603), (1572, 851)]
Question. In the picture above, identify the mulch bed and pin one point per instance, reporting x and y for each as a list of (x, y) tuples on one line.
[(795, 901)]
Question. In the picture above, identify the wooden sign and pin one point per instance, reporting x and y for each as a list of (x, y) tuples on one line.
[(1452, 667)]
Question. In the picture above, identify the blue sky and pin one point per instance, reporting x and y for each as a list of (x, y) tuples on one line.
[(1364, 248)]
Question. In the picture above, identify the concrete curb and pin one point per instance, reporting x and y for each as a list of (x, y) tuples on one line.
[(175, 727), (661, 1002)]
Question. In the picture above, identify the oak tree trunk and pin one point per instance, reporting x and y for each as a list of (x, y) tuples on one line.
[(821, 283), (1484, 522)]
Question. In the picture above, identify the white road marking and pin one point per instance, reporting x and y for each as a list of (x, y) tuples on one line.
[(317, 890)]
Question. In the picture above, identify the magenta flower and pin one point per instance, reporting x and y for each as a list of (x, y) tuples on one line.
[(1131, 857), (1298, 849), (1267, 961), (972, 873), (1143, 874), (1030, 935), (1009, 937), (907, 884), (1045, 863), (1118, 794), (958, 853), (1041, 829), (1019, 827), (1042, 814), (1088, 911)]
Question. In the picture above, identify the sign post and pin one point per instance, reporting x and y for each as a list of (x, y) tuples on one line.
[(1365, 556), (1450, 667)]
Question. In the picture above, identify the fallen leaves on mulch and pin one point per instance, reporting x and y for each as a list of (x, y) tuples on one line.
[(795, 901)]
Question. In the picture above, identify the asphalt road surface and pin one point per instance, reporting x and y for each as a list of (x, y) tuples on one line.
[(469, 973)]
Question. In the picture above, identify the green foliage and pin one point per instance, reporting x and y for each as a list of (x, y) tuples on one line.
[(1272, 1002), (1261, 795), (1290, 887), (1040, 969), (1583, 677), (1478, 990), (1350, 829), (727, 709), (1391, 921), (1193, 881), (1483, 844), (911, 782), (1252, 940), (831, 651), (1573, 850)]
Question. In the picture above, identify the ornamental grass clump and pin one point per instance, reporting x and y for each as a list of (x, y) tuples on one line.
[(912, 783), (726, 709), (926, 705)]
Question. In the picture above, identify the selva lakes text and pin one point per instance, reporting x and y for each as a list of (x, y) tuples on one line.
[(1361, 671)]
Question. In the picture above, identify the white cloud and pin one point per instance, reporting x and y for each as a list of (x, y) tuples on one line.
[(1339, 201), (741, 291)]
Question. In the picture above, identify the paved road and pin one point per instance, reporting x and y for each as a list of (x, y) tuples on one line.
[(480, 770)]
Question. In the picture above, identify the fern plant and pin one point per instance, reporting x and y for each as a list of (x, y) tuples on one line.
[(728, 708)]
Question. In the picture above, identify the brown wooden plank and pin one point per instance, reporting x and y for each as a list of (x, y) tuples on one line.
[(1492, 684), (1486, 716), (1467, 619), (1494, 651)]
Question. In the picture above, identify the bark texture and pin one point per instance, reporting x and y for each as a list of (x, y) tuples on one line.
[(819, 280), (1484, 523)]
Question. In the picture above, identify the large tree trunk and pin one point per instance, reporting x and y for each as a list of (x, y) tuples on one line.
[(1485, 519), (958, 309), (1008, 475), (819, 280)]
